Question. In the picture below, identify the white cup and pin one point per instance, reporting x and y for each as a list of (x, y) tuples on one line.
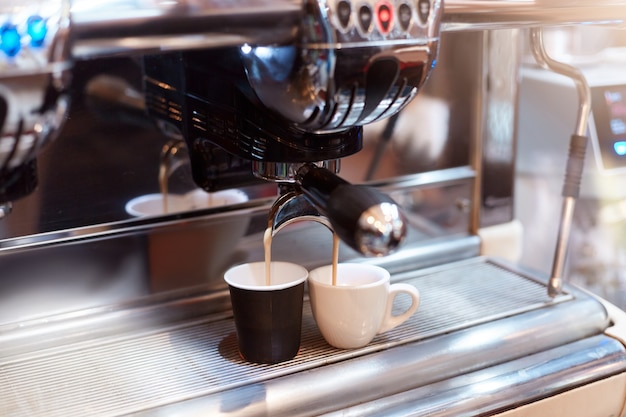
[(359, 307), (152, 204)]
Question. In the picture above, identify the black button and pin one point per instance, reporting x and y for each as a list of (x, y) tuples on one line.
[(423, 10), (365, 18), (343, 13), (404, 16)]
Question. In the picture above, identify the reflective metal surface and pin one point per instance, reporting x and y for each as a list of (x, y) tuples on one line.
[(496, 140), (381, 228), (146, 355), (137, 257), (111, 333), (146, 23), (286, 172), (571, 188), (502, 14), (292, 207), (343, 74), (105, 28), (493, 390), (97, 124)]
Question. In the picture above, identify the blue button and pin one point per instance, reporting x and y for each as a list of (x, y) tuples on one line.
[(37, 30), (10, 39), (620, 148)]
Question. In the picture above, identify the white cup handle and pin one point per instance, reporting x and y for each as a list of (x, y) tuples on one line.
[(390, 321)]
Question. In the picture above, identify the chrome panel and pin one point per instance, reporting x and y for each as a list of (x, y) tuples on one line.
[(495, 389), (131, 26), (403, 189), (105, 28), (189, 360), (136, 226), (504, 14), (501, 57), (53, 273)]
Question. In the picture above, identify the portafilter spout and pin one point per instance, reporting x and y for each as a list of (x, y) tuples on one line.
[(364, 218)]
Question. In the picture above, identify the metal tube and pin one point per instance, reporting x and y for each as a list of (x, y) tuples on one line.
[(582, 89), (576, 158)]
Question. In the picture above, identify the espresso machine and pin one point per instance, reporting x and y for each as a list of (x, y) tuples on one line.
[(391, 123)]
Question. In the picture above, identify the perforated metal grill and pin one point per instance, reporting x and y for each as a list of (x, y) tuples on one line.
[(128, 373)]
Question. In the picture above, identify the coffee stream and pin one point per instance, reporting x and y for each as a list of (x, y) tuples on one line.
[(335, 257), (163, 176), (267, 246)]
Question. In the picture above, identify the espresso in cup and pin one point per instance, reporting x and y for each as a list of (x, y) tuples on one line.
[(359, 305)]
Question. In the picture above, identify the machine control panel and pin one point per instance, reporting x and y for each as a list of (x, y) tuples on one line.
[(27, 34), (380, 19)]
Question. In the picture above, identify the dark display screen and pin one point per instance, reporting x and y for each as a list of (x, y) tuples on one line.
[(609, 113)]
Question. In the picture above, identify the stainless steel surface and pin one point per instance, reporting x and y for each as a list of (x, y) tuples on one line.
[(381, 229), (516, 382), (582, 122), (130, 343), (407, 190), (503, 14), (131, 26), (327, 88), (337, 80), (192, 361), (146, 25), (292, 207), (96, 196), (436, 252), (575, 74), (548, 107), (136, 226), (286, 172), (560, 252), (56, 272), (495, 150)]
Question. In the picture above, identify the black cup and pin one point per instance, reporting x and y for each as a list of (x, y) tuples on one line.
[(268, 319)]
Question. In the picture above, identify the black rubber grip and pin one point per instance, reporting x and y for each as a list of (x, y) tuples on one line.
[(575, 166), (341, 202)]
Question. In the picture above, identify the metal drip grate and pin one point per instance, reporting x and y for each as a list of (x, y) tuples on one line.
[(129, 373)]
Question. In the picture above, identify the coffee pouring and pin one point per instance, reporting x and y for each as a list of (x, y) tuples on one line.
[(260, 96), (288, 113)]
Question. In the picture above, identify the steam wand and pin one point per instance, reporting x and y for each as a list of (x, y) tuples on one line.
[(576, 157)]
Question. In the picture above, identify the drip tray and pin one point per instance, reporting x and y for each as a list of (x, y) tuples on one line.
[(127, 373)]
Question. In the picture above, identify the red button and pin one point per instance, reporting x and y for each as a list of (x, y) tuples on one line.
[(384, 16)]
